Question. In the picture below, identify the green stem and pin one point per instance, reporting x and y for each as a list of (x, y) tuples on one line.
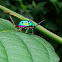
[(40, 28)]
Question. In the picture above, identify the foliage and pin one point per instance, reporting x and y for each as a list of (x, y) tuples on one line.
[(37, 10), (6, 25), (21, 47)]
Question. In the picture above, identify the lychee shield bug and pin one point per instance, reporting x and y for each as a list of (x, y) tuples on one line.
[(25, 24)]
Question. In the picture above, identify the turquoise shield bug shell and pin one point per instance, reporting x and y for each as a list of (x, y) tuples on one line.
[(25, 23)]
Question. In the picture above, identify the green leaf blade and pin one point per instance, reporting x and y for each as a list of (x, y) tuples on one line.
[(52, 55), (21, 47), (16, 50), (5, 25)]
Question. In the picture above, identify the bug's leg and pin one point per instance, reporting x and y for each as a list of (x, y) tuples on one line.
[(32, 31), (27, 30), (20, 29)]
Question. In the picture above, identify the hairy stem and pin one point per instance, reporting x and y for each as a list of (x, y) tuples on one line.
[(12, 20), (40, 28)]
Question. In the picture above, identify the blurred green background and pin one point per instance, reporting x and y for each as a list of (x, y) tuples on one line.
[(37, 10)]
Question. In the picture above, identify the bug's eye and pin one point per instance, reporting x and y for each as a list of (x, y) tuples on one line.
[(25, 22), (22, 22)]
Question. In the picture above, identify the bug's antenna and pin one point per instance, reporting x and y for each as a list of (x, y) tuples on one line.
[(40, 22), (12, 20)]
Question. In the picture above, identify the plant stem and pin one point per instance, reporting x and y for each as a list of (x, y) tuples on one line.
[(12, 20), (40, 28)]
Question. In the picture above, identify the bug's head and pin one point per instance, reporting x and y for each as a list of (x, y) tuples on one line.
[(30, 23)]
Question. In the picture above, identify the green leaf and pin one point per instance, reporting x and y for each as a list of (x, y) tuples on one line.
[(19, 0), (23, 6), (5, 25), (41, 5), (21, 47), (53, 0), (60, 4), (33, 4)]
